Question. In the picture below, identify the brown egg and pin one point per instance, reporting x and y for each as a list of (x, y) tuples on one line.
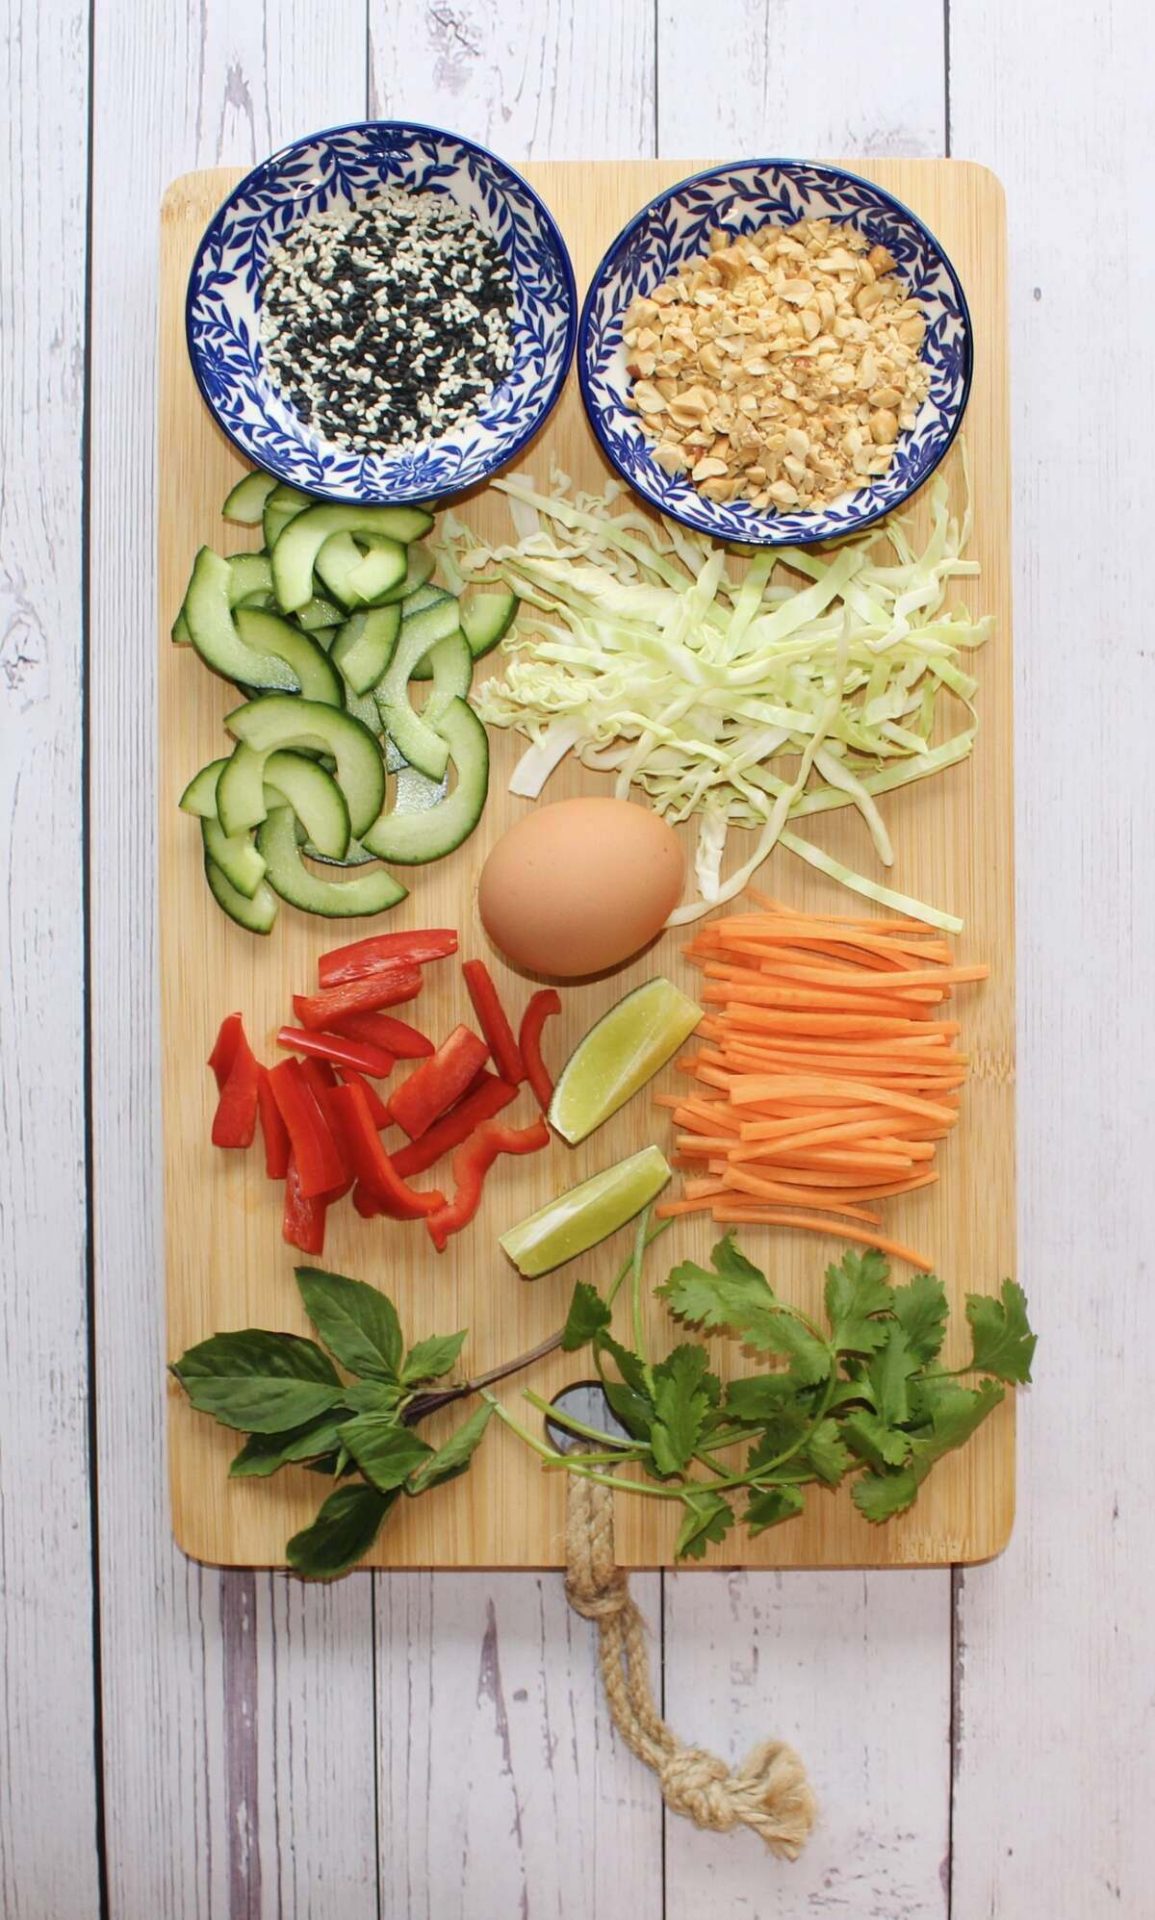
[(580, 885)]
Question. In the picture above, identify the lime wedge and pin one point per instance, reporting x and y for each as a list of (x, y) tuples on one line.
[(618, 1056), (577, 1220)]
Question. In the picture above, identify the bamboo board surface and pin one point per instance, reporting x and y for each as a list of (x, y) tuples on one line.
[(226, 1265)]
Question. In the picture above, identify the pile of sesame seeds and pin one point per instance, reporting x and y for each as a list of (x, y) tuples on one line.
[(388, 325)]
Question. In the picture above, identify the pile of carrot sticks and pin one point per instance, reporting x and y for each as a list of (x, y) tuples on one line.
[(823, 1081)]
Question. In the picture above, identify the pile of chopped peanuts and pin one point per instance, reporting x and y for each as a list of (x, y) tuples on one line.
[(780, 367)]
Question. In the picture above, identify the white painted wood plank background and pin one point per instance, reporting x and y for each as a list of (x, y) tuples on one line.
[(434, 1748)]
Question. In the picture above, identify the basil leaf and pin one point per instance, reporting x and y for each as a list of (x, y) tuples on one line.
[(344, 1529), (373, 1396), (357, 1322), (454, 1457), (431, 1359), (261, 1406), (385, 1451), (283, 1356), (265, 1453)]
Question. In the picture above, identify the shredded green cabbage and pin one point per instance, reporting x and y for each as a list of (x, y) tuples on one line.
[(745, 699)]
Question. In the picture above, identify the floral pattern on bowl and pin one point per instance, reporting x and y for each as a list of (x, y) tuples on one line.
[(349, 165)]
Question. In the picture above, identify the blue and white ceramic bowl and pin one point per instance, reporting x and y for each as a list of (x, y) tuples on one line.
[(752, 193), (350, 165)]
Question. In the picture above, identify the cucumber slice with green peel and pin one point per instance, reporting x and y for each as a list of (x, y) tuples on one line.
[(418, 602), (213, 631), (296, 548), (256, 915), (363, 707), (181, 637), (313, 796), (334, 899), (200, 796), (338, 558), (380, 574), (364, 646), (428, 833), (268, 634), (416, 792), (318, 614), (486, 617), (234, 855), (282, 505), (419, 566), (249, 573), (355, 855), (279, 720), (246, 503), (417, 735)]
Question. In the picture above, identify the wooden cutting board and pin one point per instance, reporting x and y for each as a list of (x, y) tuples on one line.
[(226, 1263)]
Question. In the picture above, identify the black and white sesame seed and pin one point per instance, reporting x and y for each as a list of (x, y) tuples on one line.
[(406, 298)]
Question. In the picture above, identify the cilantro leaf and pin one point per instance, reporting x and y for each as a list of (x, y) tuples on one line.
[(781, 1430), (856, 1290), (684, 1392), (958, 1411), (588, 1315), (758, 1397), (770, 1508), (631, 1368), (737, 1296), (827, 1452), (431, 1359), (1003, 1342), (921, 1311), (870, 1439), (888, 1374), (708, 1518)]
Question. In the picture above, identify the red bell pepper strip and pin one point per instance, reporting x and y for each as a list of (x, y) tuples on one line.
[(393, 949), (388, 987), (230, 1035), (542, 1005), (382, 1030), (471, 1163), (377, 1107), (370, 1163), (238, 1076), (320, 1162), (492, 1020), (433, 1087), (342, 1053), (303, 1220), (274, 1130), (480, 1103)]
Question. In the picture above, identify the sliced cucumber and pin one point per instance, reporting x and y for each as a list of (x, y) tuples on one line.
[(417, 735), (419, 565), (363, 707), (181, 637), (282, 505), (426, 596), (380, 574), (200, 796), (317, 614), (246, 502), (296, 548), (234, 855), (290, 877), (418, 742), (313, 795), (411, 838), (486, 617), (416, 792), (213, 630), (338, 558), (249, 573), (278, 720), (257, 914), (268, 634), (364, 646)]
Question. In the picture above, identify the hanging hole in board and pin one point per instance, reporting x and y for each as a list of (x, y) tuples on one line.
[(585, 1403)]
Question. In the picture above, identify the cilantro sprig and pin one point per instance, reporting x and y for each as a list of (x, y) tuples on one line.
[(862, 1397)]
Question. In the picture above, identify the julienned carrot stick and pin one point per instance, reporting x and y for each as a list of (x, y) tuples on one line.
[(774, 1217), (823, 1076)]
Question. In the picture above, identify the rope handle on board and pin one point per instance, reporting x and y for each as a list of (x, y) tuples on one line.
[(769, 1792)]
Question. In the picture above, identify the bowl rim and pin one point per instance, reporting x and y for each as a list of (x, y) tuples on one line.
[(754, 538), (569, 345)]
